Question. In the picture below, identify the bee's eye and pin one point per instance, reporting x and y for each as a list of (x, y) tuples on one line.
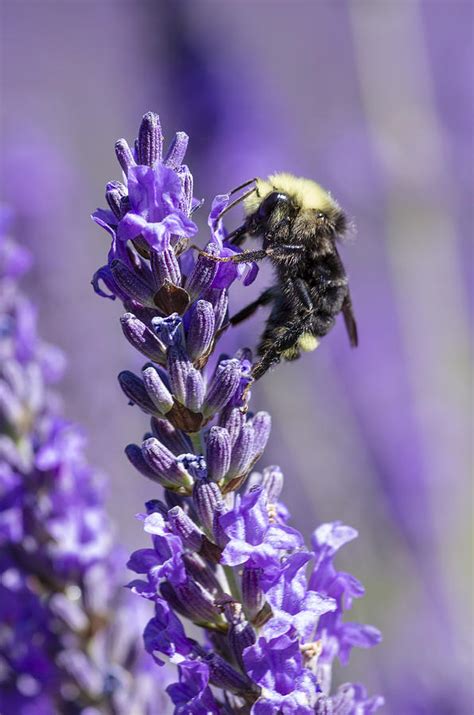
[(269, 203), (321, 216)]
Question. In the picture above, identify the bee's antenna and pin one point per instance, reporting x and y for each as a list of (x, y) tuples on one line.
[(237, 201), (242, 186)]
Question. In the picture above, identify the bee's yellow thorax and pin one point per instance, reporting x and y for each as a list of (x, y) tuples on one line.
[(306, 193)]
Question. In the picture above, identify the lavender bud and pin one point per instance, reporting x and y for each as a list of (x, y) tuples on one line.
[(170, 595), (242, 453), (187, 183), (155, 506), (142, 338), (174, 157), (125, 205), (194, 391), (115, 192), (124, 155), (220, 537), (241, 635), (272, 483), (220, 304), (11, 410), (168, 329), (261, 424), (197, 601), (165, 267), (199, 571), (9, 454), (135, 457), (223, 675), (132, 284), (81, 668), (202, 275), (14, 377), (233, 420), (176, 440), (150, 140), (201, 330), (164, 464), (218, 453), (156, 389), (185, 528), (223, 385), (134, 389), (253, 597), (186, 382), (207, 498), (71, 613), (35, 392)]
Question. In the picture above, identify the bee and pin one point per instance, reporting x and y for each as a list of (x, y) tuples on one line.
[(299, 223)]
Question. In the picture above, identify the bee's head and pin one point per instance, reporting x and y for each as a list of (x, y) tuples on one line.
[(284, 194)]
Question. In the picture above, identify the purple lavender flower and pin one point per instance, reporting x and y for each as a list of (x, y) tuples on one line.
[(68, 634), (223, 555)]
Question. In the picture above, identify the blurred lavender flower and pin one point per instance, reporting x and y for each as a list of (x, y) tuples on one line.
[(60, 650), (223, 555)]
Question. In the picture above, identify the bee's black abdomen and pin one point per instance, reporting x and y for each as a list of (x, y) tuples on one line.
[(322, 323), (311, 289)]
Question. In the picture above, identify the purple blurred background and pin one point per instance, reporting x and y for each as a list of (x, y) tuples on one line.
[(372, 99)]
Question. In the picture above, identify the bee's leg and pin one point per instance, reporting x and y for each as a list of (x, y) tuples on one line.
[(250, 309), (283, 249), (279, 338), (249, 256), (238, 236), (302, 291), (286, 340), (244, 257)]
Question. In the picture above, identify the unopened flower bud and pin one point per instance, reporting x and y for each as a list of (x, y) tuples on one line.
[(164, 464), (177, 150), (223, 385), (150, 140), (202, 275), (135, 390), (207, 498), (156, 389), (142, 338), (252, 594), (201, 329), (131, 283), (218, 453), (124, 155), (186, 382), (165, 267), (183, 526)]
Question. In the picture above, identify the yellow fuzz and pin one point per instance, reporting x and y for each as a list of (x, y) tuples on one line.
[(308, 342), (305, 193)]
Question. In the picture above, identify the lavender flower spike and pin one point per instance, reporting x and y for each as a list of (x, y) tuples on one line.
[(69, 631), (223, 557)]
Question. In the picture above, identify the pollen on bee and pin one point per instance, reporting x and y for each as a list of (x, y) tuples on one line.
[(308, 342)]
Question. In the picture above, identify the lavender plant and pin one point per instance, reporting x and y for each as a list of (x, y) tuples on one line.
[(68, 629), (267, 610)]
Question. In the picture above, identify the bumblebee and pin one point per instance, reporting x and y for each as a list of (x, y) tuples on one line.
[(299, 223)]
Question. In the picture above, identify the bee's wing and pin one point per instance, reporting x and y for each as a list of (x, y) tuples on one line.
[(348, 311), (349, 320)]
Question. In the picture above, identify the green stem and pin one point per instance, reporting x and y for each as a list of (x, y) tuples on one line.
[(233, 584), (196, 442)]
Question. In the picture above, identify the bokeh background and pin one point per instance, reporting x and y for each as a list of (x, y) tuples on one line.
[(373, 98)]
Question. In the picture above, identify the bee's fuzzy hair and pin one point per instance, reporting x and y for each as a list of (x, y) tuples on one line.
[(306, 193)]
